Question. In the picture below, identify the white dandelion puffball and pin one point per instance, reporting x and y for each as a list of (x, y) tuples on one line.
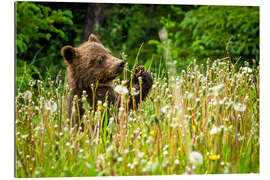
[(190, 95), (214, 130), (216, 89), (164, 109), (49, 105), (28, 95), (247, 69), (121, 90), (239, 107), (195, 158), (163, 34)]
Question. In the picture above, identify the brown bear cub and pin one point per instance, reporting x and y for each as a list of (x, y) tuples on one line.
[(91, 63)]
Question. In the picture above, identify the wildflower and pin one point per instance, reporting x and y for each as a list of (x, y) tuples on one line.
[(110, 148), (190, 95), (28, 95), (188, 169), (24, 136), (121, 90), (165, 153), (163, 34), (194, 127), (88, 165), (247, 69), (213, 157), (214, 130), (176, 161), (50, 105), (111, 119), (37, 172), (121, 109), (195, 158), (217, 89), (164, 109), (239, 107), (141, 154), (119, 159), (126, 151), (166, 147)]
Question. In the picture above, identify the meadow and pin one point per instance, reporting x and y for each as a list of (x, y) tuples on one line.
[(204, 120)]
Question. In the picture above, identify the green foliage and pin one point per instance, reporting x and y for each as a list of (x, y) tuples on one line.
[(36, 23), (215, 31), (41, 33), (194, 32), (24, 74), (128, 26)]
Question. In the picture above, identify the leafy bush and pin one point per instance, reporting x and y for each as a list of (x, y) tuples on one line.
[(36, 24), (215, 31), (128, 26), (194, 32), (41, 33)]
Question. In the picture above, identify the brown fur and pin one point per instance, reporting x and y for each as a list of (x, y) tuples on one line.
[(91, 62)]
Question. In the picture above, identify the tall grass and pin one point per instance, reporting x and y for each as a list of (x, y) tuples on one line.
[(204, 121)]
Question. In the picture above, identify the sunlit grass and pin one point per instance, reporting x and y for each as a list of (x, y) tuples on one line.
[(204, 121)]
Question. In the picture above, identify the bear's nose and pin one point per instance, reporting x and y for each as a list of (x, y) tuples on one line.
[(121, 64)]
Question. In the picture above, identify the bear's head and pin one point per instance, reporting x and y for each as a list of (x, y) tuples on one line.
[(91, 62)]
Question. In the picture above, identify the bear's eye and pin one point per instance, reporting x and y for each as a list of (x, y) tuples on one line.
[(101, 59)]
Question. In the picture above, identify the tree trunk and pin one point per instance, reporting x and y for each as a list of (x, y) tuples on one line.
[(94, 16)]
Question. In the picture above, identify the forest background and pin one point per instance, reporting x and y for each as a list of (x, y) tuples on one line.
[(188, 32)]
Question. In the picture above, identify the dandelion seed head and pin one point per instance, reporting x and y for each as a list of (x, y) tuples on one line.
[(214, 130), (24, 136), (140, 155), (189, 95), (119, 159), (28, 95), (164, 109), (110, 148), (121, 109), (165, 153), (239, 107), (50, 105), (121, 90), (195, 158), (247, 69), (217, 89)]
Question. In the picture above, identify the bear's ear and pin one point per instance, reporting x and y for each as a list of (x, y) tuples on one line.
[(93, 38), (68, 53)]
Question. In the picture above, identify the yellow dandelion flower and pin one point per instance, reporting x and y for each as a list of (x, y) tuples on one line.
[(213, 157), (194, 127)]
